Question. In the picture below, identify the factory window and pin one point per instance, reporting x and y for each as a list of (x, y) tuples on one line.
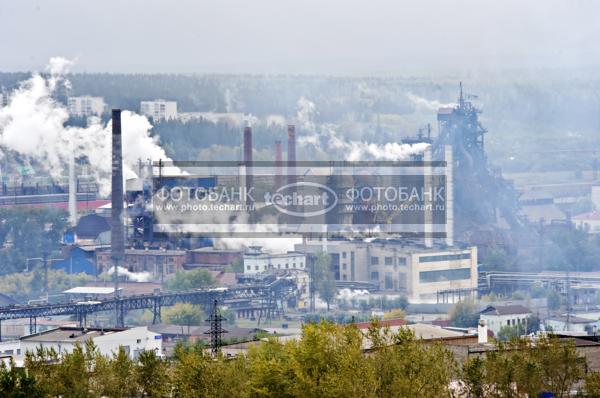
[(374, 276), (444, 257), (389, 260), (444, 275), (401, 260), (374, 260)]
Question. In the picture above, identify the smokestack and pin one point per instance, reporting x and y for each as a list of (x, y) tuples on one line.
[(72, 191), (278, 165), (248, 161), (291, 154), (449, 195), (117, 238)]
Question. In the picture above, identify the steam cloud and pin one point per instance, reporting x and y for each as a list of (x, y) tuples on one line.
[(132, 276), (33, 125), (425, 104)]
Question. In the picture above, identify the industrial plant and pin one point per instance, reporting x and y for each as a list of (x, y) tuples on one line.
[(211, 201)]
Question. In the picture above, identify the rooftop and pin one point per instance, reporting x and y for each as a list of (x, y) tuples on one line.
[(505, 310), (70, 334)]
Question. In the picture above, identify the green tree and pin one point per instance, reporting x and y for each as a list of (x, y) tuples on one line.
[(193, 279), (121, 372), (152, 376), (324, 284), (508, 332), (184, 314), (196, 374), (591, 387), (464, 314), (406, 367), (17, 383), (29, 233)]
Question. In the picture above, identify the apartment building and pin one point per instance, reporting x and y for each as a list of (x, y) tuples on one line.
[(159, 109), (86, 106)]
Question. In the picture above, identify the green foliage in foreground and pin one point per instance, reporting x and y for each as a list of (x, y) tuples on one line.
[(329, 361)]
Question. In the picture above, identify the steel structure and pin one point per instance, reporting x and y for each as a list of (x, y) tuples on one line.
[(154, 302), (216, 329)]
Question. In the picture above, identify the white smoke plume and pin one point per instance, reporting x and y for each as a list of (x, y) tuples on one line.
[(33, 125), (132, 276), (307, 111), (425, 104), (328, 142)]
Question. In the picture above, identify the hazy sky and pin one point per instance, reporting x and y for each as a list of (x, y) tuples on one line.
[(299, 36)]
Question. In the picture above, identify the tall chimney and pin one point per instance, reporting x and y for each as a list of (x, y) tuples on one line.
[(291, 178), (117, 238), (72, 190), (278, 165), (248, 161)]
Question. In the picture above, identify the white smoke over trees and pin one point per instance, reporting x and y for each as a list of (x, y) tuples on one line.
[(32, 124)]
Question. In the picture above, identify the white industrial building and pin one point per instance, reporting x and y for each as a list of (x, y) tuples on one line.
[(86, 106), (64, 339), (257, 261), (400, 266), (496, 317), (159, 109)]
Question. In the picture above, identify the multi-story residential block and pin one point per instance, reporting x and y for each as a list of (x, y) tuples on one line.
[(86, 106), (159, 109)]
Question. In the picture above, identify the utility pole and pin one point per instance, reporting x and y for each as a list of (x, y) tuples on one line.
[(216, 329)]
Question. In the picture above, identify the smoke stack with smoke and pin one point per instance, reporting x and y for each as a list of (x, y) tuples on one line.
[(117, 239), (291, 178), (72, 192), (32, 124), (278, 164)]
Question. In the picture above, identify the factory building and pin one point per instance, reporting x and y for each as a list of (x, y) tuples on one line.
[(417, 271), (257, 261), (159, 109), (86, 106), (159, 263)]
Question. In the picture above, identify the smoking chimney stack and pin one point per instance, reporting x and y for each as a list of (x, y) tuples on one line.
[(291, 154), (117, 238), (278, 165)]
